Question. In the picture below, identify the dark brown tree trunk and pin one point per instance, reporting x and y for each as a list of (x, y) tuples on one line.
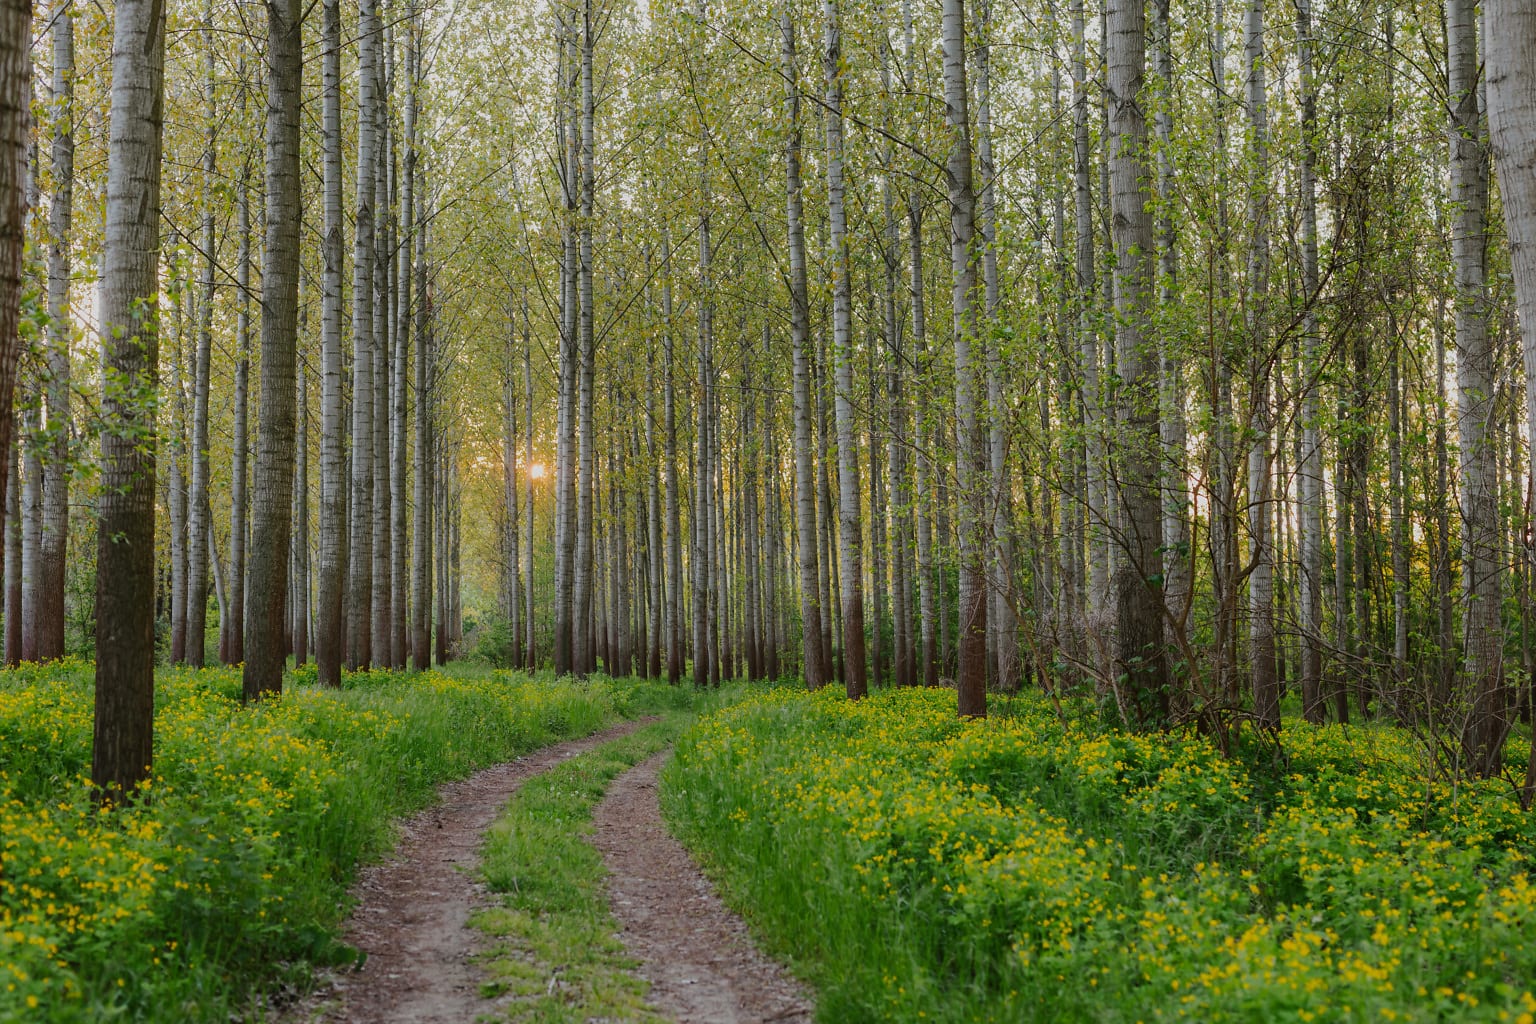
[(15, 117)]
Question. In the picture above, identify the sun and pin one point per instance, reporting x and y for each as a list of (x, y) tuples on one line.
[(536, 471)]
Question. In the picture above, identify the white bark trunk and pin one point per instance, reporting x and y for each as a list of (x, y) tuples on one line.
[(816, 673), (971, 453), (1486, 719), (1139, 612), (851, 539)]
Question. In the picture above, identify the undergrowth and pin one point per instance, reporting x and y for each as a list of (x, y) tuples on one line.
[(1039, 867), (227, 876)]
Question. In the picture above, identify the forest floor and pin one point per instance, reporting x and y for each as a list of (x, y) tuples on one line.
[(697, 955), (426, 961)]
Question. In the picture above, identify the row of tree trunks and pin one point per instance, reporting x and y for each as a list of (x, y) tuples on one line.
[(393, 272)]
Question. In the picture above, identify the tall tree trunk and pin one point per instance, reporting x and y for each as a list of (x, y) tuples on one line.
[(897, 454), (125, 558), (299, 610), (877, 503), (1177, 570), (583, 654), (30, 441), (568, 134), (1139, 613), (13, 584), (775, 532), (1311, 468), (30, 436), (1445, 619), (234, 645), (970, 456), (1003, 624), (176, 497), (514, 534), (197, 498), (381, 627), (440, 554), (1343, 569), (53, 559), (851, 539), (1395, 412), (1224, 576), (360, 536), (423, 458), (675, 647), (531, 649), (816, 673), (1261, 581), (1398, 511), (266, 610), (329, 639), (831, 620), (620, 568), (746, 502), (399, 557), (443, 481), (1486, 711), (15, 121), (705, 667), (720, 610), (653, 550), (1095, 512), (1512, 114), (455, 555), (923, 443)]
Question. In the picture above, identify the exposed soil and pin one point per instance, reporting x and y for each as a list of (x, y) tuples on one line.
[(412, 915), (697, 955)]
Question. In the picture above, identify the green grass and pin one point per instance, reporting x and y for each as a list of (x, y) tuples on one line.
[(229, 876), (557, 957), (1039, 867)]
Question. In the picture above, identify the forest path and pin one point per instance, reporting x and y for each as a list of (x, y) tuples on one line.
[(413, 911), (697, 955)]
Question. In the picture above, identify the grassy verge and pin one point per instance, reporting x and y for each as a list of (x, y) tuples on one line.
[(557, 955), (230, 874), (1036, 868)]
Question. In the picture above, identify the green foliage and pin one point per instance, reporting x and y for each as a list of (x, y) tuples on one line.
[(488, 640), (228, 872), (1045, 867)]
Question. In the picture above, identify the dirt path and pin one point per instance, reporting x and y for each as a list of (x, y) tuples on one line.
[(697, 955), (412, 917)]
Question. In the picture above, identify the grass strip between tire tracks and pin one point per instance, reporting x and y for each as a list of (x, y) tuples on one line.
[(556, 955)]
